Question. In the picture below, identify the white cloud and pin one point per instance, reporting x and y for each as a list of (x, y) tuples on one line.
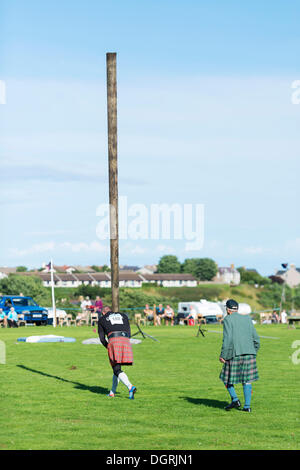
[(132, 249), (78, 247), (138, 250), (48, 232), (166, 249), (34, 249), (16, 170), (95, 247)]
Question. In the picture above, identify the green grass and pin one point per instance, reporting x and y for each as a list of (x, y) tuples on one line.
[(53, 396)]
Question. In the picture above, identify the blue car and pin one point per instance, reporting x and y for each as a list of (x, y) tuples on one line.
[(31, 312)]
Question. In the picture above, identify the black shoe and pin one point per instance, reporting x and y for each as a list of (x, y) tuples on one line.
[(247, 409), (233, 404)]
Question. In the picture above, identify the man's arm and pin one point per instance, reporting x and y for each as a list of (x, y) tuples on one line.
[(128, 327), (101, 334), (226, 337), (256, 339)]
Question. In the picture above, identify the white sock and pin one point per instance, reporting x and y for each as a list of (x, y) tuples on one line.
[(115, 382), (124, 379)]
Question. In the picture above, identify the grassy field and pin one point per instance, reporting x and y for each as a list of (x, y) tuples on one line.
[(53, 396)]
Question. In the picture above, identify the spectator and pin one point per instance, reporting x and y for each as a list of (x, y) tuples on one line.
[(160, 311), (98, 305), (169, 315), (283, 317), (3, 318), (85, 304), (148, 313), (83, 315), (183, 318), (274, 318), (192, 313), (12, 318), (267, 320)]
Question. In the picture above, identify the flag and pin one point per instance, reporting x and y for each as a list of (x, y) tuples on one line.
[(48, 266)]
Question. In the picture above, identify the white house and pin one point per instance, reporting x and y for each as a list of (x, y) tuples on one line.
[(228, 275), (100, 279), (66, 280), (147, 269), (171, 280), (130, 279), (291, 276), (4, 272), (126, 279)]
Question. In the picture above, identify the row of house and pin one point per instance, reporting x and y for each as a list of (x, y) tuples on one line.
[(129, 276), (126, 279), (133, 276)]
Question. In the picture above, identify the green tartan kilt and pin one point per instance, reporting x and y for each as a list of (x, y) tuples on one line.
[(240, 369)]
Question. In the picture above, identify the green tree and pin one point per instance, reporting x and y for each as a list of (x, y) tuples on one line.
[(270, 296), (189, 266), (96, 268), (203, 269), (169, 264), (30, 286), (105, 268), (21, 269), (253, 277), (100, 269)]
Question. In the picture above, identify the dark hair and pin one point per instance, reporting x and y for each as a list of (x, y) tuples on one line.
[(106, 306)]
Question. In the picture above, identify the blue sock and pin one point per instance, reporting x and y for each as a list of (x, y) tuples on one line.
[(247, 394), (231, 392)]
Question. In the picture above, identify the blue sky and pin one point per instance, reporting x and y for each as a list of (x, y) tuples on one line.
[(204, 116)]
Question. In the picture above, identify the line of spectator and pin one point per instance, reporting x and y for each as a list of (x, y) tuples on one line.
[(9, 319), (88, 307), (167, 314)]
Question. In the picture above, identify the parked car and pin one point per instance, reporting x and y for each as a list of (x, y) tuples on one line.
[(27, 307)]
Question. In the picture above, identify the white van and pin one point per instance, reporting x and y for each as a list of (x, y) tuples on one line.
[(244, 309), (208, 309)]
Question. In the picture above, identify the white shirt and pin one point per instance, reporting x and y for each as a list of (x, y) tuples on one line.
[(283, 316), (85, 304), (193, 313)]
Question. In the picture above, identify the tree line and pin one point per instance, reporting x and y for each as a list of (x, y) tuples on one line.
[(203, 269)]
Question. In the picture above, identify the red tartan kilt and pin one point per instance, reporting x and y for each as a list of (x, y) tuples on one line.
[(120, 351)]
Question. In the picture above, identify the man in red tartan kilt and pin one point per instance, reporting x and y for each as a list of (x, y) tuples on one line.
[(115, 326)]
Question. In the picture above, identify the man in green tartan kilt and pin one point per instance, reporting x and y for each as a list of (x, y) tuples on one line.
[(238, 355)]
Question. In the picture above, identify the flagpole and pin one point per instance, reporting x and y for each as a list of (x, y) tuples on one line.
[(53, 297)]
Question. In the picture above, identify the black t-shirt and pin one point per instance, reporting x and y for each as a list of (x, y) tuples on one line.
[(112, 321)]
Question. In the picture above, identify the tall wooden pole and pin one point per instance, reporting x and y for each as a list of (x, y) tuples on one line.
[(111, 69)]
